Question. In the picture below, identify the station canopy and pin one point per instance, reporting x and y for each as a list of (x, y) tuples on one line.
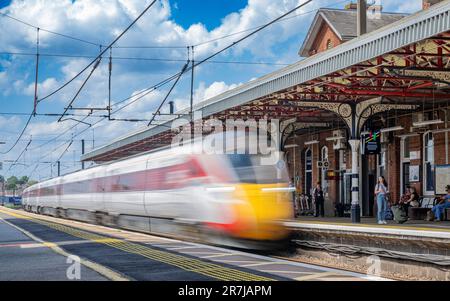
[(406, 62)]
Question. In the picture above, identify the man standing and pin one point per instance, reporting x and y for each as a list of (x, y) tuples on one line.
[(319, 200)]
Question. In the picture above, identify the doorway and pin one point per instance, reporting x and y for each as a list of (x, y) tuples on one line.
[(308, 171), (368, 170)]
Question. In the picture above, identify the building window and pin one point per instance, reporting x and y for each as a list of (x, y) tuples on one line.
[(308, 171), (404, 164), (324, 158), (382, 163), (329, 44), (428, 163)]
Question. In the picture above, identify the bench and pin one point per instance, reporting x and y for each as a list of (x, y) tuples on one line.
[(420, 213)]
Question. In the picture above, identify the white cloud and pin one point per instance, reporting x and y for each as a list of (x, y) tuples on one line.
[(216, 88), (101, 21), (45, 87)]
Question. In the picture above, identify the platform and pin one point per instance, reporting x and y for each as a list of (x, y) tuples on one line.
[(411, 229), (415, 250), (125, 255)]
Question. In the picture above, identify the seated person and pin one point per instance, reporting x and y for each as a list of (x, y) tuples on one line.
[(410, 199), (406, 195), (443, 204)]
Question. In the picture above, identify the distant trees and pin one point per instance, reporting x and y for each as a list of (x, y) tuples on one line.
[(13, 183)]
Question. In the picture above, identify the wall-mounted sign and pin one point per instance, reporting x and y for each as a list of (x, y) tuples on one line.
[(372, 143), (414, 173), (442, 178), (323, 164), (332, 175)]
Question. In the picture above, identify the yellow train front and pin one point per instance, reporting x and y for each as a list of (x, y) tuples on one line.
[(252, 203)]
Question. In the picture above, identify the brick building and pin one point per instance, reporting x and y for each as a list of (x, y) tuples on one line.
[(412, 142), (387, 91)]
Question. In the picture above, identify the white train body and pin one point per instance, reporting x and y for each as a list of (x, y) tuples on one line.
[(169, 191)]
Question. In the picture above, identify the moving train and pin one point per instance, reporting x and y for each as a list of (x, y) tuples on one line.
[(228, 199)]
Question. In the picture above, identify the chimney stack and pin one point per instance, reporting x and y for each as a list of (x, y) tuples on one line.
[(362, 17), (427, 3), (351, 6)]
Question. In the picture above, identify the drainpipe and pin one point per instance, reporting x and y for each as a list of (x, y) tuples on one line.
[(362, 17)]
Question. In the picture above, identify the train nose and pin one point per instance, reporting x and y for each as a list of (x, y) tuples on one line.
[(263, 210)]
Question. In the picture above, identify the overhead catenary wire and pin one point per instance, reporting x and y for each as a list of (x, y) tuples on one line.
[(20, 155), (170, 91), (101, 53), (168, 80), (49, 31), (100, 120), (69, 106), (144, 59), (65, 151), (237, 42), (160, 46), (37, 73), (20, 135)]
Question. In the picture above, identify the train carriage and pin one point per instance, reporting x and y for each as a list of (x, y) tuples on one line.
[(229, 199)]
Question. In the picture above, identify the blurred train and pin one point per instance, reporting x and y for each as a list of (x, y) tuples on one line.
[(224, 199)]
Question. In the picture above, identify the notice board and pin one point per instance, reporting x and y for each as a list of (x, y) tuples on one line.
[(442, 178)]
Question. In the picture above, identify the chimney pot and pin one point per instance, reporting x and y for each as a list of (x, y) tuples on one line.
[(427, 3)]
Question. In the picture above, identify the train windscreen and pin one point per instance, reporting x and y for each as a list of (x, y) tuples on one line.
[(248, 169)]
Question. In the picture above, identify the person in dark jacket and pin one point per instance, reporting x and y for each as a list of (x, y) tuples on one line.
[(319, 200)]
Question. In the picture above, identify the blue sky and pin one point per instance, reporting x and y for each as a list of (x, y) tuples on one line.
[(210, 13), (170, 23)]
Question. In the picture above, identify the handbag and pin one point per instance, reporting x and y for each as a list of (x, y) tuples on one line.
[(430, 216), (388, 214)]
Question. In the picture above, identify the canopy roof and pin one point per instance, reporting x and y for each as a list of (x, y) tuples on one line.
[(407, 61)]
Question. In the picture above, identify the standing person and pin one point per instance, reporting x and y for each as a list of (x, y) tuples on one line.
[(380, 193), (319, 200), (292, 189), (444, 203)]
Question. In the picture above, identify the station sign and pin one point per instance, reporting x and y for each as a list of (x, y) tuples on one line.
[(371, 143)]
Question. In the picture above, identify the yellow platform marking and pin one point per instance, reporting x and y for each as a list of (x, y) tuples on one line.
[(108, 273), (188, 264)]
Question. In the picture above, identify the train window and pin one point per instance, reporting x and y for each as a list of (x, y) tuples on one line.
[(249, 169), (126, 182)]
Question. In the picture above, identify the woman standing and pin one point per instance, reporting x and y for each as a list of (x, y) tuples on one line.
[(380, 192)]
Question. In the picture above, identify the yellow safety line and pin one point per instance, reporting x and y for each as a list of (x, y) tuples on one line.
[(102, 270), (183, 262)]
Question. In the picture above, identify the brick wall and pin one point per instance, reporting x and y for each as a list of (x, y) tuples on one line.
[(393, 159), (321, 42)]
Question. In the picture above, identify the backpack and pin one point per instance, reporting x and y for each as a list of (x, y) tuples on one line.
[(400, 215), (388, 214)]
